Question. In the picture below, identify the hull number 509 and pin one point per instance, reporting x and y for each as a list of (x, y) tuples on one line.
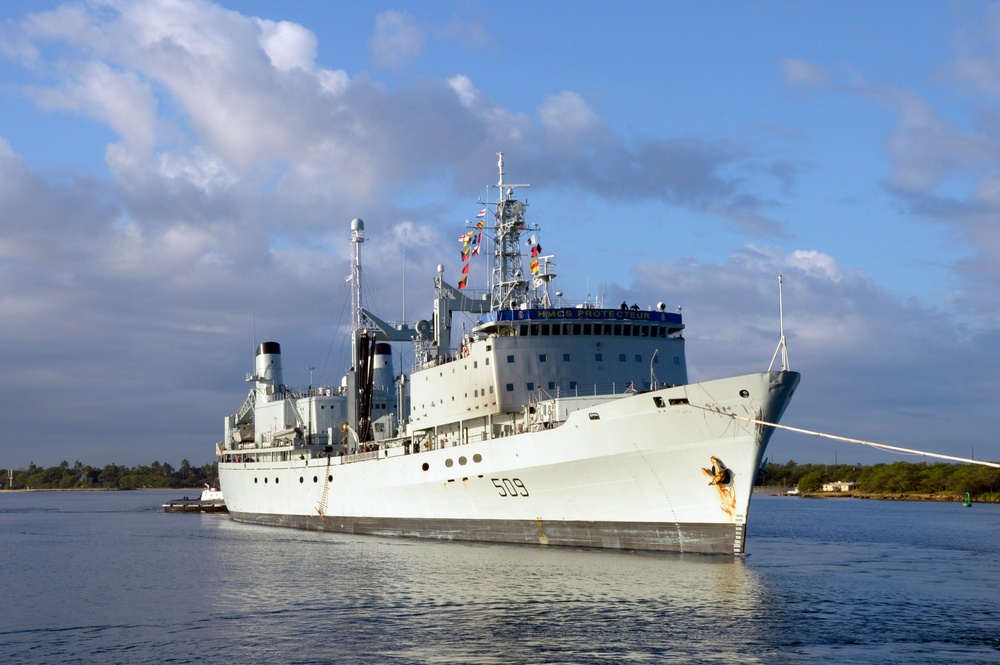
[(510, 486)]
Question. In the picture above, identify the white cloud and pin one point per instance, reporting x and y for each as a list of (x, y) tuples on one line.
[(802, 72), (288, 45), (398, 38), (567, 113)]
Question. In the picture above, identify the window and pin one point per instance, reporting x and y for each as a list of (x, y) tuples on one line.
[(599, 357), (531, 386), (556, 328), (587, 329), (510, 359), (510, 387), (566, 357), (534, 329), (638, 358), (618, 329), (552, 385), (572, 385), (576, 328), (524, 330), (541, 357), (545, 329), (621, 357)]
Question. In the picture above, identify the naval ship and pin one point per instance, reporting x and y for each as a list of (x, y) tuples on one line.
[(524, 419)]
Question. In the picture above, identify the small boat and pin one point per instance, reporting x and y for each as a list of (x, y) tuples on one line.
[(210, 501), (793, 492)]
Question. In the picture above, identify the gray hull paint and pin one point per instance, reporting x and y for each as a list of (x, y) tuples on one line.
[(658, 537)]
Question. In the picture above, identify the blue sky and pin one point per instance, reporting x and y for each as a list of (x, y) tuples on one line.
[(178, 179)]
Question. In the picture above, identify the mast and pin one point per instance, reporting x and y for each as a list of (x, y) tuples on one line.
[(508, 289), (357, 237), (359, 377)]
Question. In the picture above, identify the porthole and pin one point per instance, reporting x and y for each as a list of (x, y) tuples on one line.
[(275, 481), (265, 481), (477, 458), (744, 393), (301, 479), (329, 479), (315, 479), (462, 461), (448, 463), (425, 466), (255, 481)]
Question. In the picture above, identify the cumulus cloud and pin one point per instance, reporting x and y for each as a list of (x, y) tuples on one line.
[(239, 161), (288, 45)]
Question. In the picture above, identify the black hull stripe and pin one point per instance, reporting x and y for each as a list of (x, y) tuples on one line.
[(644, 536)]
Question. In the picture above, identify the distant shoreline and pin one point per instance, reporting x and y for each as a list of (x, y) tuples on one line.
[(870, 496), (100, 489)]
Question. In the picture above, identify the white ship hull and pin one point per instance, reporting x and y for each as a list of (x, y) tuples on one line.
[(633, 473)]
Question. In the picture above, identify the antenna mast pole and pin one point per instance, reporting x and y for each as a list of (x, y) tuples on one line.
[(782, 346)]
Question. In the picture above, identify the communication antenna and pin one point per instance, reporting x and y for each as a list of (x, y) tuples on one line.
[(782, 347), (652, 377)]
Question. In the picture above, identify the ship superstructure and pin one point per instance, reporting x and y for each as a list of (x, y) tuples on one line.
[(538, 423)]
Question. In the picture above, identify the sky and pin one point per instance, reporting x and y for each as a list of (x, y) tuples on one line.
[(178, 178)]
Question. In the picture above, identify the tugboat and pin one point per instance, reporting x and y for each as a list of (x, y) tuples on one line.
[(210, 501)]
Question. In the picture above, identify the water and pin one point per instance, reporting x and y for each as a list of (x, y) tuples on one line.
[(107, 577)]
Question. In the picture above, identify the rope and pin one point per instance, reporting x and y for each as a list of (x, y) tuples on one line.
[(880, 446)]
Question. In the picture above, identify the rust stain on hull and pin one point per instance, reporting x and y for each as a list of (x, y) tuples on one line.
[(722, 478)]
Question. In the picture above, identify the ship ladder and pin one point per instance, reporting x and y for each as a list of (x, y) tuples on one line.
[(324, 497)]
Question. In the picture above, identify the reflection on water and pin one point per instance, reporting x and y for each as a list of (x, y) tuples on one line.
[(425, 601)]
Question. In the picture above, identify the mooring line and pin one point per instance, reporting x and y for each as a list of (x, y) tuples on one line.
[(881, 446)]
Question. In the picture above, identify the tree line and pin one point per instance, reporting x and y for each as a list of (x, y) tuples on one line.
[(112, 476), (981, 482)]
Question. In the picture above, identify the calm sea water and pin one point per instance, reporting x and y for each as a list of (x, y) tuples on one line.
[(107, 577)]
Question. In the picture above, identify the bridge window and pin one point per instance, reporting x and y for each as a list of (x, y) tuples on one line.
[(545, 329), (587, 329)]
